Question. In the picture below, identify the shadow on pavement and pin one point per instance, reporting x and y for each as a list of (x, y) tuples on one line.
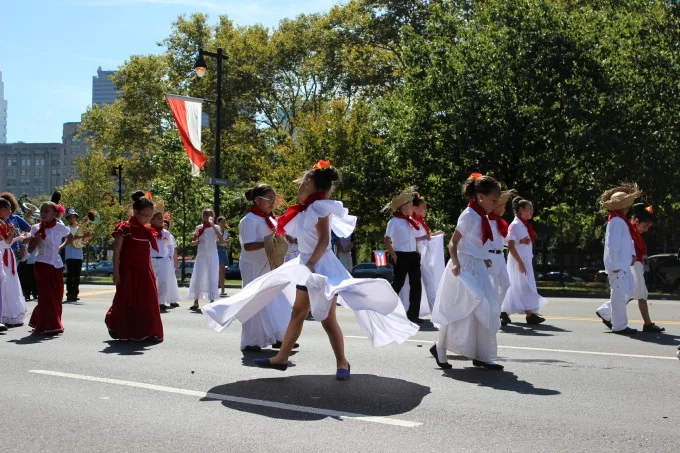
[(365, 394), (127, 347), (34, 339), (532, 330), (499, 380), (664, 339)]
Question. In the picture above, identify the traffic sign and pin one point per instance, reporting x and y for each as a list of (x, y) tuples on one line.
[(216, 182)]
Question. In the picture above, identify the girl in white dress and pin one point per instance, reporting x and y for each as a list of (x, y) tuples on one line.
[(204, 284), (173, 296), (14, 303), (6, 235), (268, 326), (522, 297), (163, 261), (467, 308), (499, 269), (318, 283)]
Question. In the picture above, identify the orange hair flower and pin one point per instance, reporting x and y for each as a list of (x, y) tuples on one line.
[(650, 209), (475, 175), (322, 165), (148, 195)]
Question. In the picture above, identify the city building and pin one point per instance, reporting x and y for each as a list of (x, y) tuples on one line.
[(103, 91), (3, 112), (31, 168)]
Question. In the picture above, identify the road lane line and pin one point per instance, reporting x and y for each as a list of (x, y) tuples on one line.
[(567, 351), (236, 399)]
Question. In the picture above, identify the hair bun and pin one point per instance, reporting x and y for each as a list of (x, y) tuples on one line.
[(138, 195), (249, 194)]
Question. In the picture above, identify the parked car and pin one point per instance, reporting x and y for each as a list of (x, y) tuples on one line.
[(85, 270), (189, 268), (588, 274), (233, 272), (664, 271), (103, 269), (557, 276), (371, 270)]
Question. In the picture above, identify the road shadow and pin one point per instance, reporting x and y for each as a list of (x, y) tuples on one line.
[(664, 339), (364, 394), (34, 339), (127, 347), (532, 330), (499, 380)]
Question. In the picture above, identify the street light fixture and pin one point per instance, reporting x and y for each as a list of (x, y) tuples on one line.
[(201, 68)]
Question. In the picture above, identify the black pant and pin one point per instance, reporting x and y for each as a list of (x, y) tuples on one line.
[(409, 263), (73, 278), (29, 287)]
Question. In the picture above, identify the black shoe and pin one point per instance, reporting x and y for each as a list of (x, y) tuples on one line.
[(278, 345), (505, 319), (418, 321), (252, 349), (442, 365), (174, 305), (10, 326), (266, 363), (652, 328), (604, 321), (627, 331), (163, 309), (535, 319), (487, 365), (195, 307)]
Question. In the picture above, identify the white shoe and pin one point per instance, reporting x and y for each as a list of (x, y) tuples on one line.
[(3, 328)]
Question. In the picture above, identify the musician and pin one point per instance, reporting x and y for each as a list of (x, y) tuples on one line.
[(74, 258)]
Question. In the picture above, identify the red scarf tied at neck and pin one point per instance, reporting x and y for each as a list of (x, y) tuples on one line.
[(158, 230), (501, 222), (267, 217), (147, 230), (421, 222), (296, 209), (201, 230), (7, 256), (487, 232), (410, 220), (640, 245), (530, 229), (45, 226)]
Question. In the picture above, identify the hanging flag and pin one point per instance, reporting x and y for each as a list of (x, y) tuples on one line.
[(380, 258), (187, 113)]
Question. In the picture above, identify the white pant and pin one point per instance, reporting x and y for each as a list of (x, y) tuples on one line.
[(614, 309)]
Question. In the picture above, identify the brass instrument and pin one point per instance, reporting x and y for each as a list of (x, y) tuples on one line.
[(31, 213), (91, 219)]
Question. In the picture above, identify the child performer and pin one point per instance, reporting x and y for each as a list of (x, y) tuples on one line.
[(268, 326), (74, 259), (432, 262), (172, 252), (320, 282), (467, 308), (401, 238), (499, 269), (204, 279), (134, 314), (47, 238), (163, 261), (14, 303), (642, 220), (6, 237), (522, 297), (222, 254), (619, 256)]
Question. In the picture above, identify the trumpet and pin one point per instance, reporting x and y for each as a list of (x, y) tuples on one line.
[(91, 220), (31, 212)]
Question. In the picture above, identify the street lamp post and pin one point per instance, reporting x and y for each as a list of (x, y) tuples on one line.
[(201, 67)]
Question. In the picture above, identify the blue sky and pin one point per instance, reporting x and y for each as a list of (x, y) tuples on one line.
[(50, 49)]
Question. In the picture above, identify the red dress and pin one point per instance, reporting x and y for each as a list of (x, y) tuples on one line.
[(135, 314)]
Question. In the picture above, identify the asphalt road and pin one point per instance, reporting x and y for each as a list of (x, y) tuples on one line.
[(568, 385)]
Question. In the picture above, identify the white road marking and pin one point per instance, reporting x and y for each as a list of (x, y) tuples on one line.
[(567, 351), (236, 399)]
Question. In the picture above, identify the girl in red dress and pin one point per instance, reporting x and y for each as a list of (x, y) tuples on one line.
[(46, 238), (135, 314)]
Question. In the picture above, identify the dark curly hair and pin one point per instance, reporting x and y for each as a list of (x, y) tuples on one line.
[(140, 202), (12, 201), (641, 213)]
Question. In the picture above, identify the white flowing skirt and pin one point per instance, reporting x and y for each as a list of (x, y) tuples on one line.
[(468, 310), (432, 266), (522, 294), (166, 281), (205, 277), (638, 271), (13, 301), (268, 326), (499, 275), (375, 304)]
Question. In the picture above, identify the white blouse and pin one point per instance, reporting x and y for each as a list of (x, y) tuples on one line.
[(498, 240), (166, 245), (618, 246), (207, 243), (470, 227), (253, 228), (47, 250), (403, 235)]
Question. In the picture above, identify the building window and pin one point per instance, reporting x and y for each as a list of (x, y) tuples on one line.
[(55, 172), (11, 162), (40, 162), (25, 162)]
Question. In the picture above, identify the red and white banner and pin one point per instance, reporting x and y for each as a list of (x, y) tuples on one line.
[(187, 113)]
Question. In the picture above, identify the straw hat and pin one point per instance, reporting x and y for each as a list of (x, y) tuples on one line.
[(401, 199), (505, 196), (275, 247), (158, 206), (621, 197)]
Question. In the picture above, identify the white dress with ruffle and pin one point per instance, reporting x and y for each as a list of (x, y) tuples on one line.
[(375, 304), (499, 268), (523, 294), (467, 308)]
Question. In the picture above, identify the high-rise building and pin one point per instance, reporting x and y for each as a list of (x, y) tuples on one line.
[(31, 168), (3, 112), (103, 91)]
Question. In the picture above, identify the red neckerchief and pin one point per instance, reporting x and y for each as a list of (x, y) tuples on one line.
[(9, 254), (421, 221), (640, 245), (501, 222), (45, 226), (414, 224), (158, 230), (487, 232), (148, 231), (201, 230), (296, 209), (4, 232), (631, 228), (267, 217), (530, 229)]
